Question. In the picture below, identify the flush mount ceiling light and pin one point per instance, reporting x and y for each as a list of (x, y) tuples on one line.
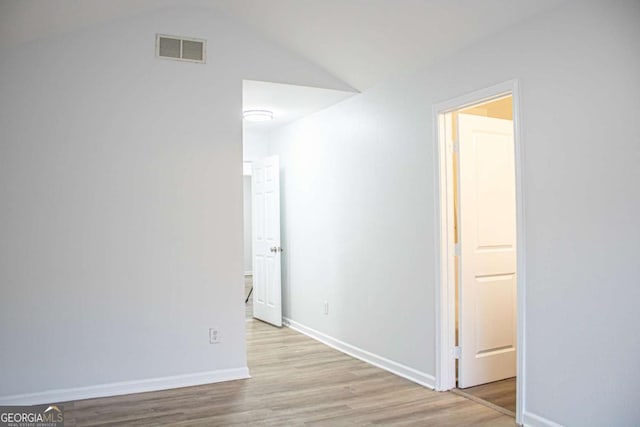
[(257, 115)]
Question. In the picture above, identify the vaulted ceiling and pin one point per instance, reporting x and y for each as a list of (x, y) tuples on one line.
[(362, 42)]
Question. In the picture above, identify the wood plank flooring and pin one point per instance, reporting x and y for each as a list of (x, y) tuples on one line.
[(248, 306), (296, 381), (499, 393)]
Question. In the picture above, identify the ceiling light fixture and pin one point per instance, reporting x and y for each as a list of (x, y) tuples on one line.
[(257, 115)]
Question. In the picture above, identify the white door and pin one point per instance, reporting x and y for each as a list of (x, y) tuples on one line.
[(487, 304), (265, 196)]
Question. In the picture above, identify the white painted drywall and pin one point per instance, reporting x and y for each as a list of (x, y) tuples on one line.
[(247, 227), (358, 202), (121, 201), (255, 144)]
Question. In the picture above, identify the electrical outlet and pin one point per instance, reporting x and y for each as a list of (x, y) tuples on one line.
[(214, 336), (326, 307)]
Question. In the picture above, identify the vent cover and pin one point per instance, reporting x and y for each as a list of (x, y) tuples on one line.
[(180, 48)]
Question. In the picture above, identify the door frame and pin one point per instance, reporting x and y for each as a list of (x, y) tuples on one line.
[(445, 251)]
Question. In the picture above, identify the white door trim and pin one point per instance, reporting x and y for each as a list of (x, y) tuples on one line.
[(445, 288)]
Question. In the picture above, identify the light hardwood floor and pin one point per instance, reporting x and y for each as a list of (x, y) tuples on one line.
[(499, 393), (295, 381), (248, 306)]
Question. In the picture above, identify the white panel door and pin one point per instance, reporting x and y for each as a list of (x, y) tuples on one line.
[(487, 304), (265, 196)]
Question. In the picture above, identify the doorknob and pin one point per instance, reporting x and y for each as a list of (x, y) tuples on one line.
[(274, 249)]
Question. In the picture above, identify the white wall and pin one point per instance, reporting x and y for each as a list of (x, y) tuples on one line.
[(358, 198), (121, 213), (247, 223), (255, 145)]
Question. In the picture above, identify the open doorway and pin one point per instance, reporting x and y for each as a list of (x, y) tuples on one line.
[(267, 109), (480, 333)]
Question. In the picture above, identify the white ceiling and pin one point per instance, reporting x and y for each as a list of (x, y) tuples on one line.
[(23, 21), (359, 41), (287, 102), (364, 41)]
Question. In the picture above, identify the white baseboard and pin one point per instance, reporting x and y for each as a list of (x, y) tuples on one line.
[(533, 420), (126, 387), (396, 368), (248, 273)]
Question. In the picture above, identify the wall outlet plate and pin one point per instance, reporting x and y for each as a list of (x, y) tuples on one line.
[(214, 336)]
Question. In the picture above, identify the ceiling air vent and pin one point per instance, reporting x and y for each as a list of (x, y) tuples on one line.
[(180, 48)]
